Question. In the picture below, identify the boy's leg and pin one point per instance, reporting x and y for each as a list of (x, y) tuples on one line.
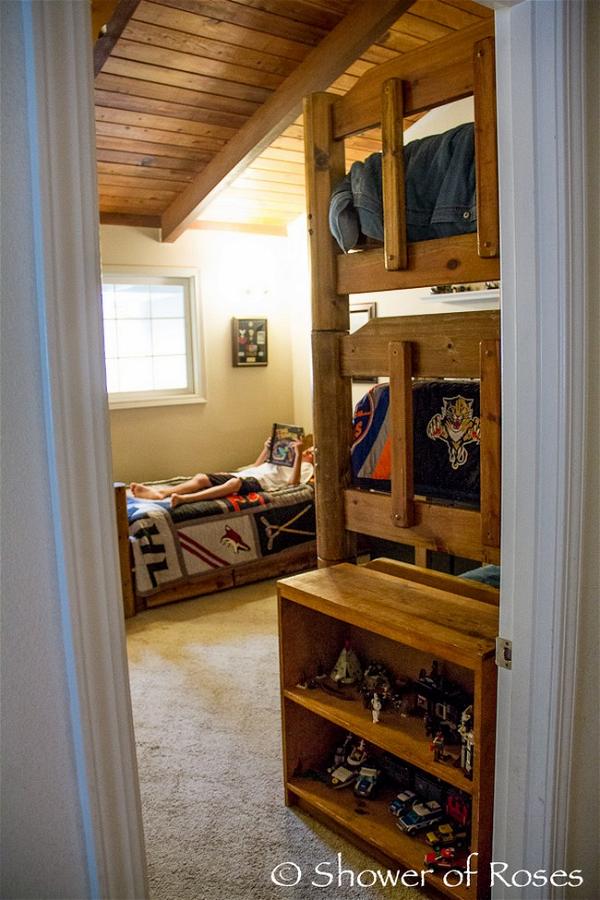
[(197, 483), (211, 493)]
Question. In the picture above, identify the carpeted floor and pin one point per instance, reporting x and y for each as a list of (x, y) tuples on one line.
[(205, 691)]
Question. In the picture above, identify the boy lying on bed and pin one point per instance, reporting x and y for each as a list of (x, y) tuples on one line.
[(261, 476)]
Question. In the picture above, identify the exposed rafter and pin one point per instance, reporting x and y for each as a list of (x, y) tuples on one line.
[(123, 11), (330, 58)]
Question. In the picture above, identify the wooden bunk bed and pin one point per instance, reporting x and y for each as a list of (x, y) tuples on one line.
[(386, 610), (438, 346)]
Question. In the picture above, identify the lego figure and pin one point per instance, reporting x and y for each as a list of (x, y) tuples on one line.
[(437, 745), (358, 755), (467, 741), (375, 707), (347, 669), (431, 725), (458, 808), (341, 752)]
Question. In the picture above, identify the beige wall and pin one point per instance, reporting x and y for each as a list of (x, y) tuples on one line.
[(240, 275), (302, 324)]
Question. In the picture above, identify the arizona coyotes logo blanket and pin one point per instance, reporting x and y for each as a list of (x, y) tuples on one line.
[(197, 538), (217, 544)]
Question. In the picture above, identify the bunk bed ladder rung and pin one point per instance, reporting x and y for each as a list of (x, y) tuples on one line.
[(490, 423), (400, 359), (393, 184), (486, 148)]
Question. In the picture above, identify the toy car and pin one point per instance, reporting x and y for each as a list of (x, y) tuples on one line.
[(447, 858), (402, 802), (342, 777), (444, 834), (366, 781), (420, 816)]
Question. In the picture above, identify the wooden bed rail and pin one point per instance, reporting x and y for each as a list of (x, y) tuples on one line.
[(444, 529), (450, 345), (481, 63), (438, 74), (451, 260), (455, 67), (446, 345), (123, 547), (475, 590)]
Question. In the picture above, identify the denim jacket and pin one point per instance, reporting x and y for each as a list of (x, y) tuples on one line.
[(440, 191)]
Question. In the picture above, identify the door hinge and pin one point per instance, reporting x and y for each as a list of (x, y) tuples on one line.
[(503, 653)]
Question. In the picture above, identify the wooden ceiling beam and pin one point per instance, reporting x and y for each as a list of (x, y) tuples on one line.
[(136, 220), (114, 29), (341, 47)]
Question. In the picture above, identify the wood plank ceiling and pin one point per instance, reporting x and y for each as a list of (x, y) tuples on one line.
[(185, 75)]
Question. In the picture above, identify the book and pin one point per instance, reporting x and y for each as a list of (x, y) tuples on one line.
[(281, 451)]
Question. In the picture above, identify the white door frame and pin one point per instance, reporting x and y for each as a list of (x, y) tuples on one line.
[(541, 81), (540, 59), (59, 84)]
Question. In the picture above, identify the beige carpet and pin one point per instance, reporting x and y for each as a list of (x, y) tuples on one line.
[(205, 690)]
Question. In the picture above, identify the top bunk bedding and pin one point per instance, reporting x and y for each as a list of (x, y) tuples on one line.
[(439, 186)]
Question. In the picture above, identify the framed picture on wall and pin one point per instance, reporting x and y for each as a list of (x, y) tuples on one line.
[(360, 313), (249, 342)]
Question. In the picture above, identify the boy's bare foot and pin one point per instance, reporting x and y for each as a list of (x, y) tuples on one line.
[(145, 492), (178, 499)]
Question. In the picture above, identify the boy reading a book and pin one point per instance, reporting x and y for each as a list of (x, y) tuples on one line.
[(261, 476)]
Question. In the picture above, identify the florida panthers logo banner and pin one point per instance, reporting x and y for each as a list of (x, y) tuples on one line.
[(456, 426), (446, 440)]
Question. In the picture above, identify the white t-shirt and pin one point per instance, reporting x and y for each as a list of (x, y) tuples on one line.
[(272, 477)]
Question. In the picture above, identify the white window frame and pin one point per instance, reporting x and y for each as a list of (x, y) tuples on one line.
[(196, 392)]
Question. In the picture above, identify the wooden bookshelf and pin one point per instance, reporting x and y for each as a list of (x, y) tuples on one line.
[(405, 625)]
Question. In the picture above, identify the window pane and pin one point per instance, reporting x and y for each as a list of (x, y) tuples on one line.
[(166, 300), (135, 374), (132, 301), (147, 330), (112, 376), (168, 337), (110, 339), (108, 301), (170, 372), (134, 337)]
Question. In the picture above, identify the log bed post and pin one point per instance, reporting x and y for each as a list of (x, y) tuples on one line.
[(123, 547), (332, 398), (401, 422)]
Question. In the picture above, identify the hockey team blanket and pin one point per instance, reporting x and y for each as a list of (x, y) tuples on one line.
[(170, 546)]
